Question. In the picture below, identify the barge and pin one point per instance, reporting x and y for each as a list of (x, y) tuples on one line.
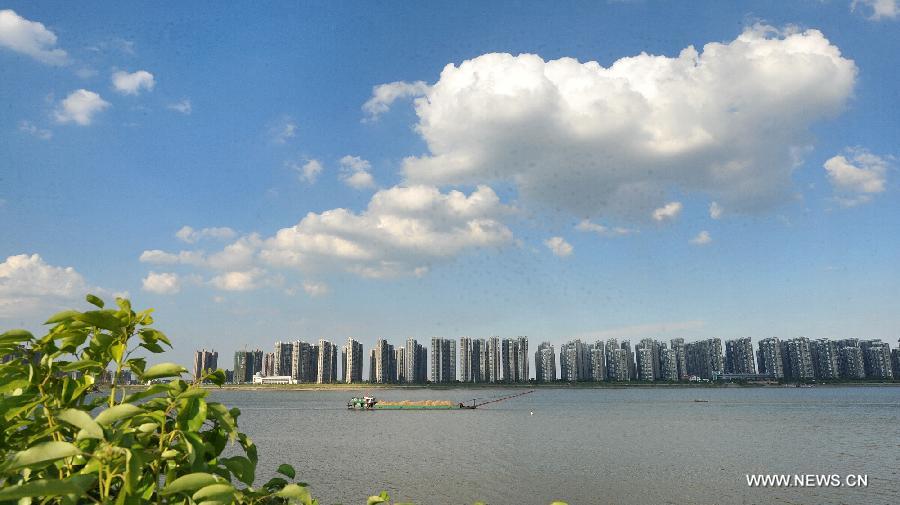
[(372, 403)]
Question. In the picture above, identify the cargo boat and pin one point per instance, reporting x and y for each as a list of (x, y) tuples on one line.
[(372, 403)]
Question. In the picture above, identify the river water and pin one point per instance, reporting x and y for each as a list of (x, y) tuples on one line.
[(584, 446)]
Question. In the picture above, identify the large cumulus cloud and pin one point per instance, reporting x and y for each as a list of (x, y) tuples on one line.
[(729, 121)]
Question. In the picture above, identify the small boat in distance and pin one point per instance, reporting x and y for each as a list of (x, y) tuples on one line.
[(698, 400), (372, 403)]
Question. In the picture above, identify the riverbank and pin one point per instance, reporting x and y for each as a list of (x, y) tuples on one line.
[(556, 385)]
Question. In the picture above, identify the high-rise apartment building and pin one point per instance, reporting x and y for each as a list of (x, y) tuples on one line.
[(851, 362), (876, 359), (768, 358), (415, 362), (283, 353), (352, 361), (246, 364), (443, 360), (304, 362), (327, 362), (545, 363), (491, 351), (514, 358), (372, 366), (739, 356), (797, 359), (385, 362), (576, 361), (704, 358), (268, 364), (825, 359), (598, 361), (680, 357), (205, 362), (668, 365)]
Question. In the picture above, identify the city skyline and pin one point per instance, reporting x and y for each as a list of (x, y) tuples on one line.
[(719, 168), (506, 360)]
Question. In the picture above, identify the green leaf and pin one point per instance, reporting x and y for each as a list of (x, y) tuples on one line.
[(189, 482), (59, 317), (76, 484), (215, 492), (124, 304), (105, 319), (195, 422), (286, 470), (93, 300), (193, 392), (83, 420), (382, 498), (13, 336), (294, 492), (42, 453), (241, 467), (83, 364), (155, 389), (117, 413), (164, 370)]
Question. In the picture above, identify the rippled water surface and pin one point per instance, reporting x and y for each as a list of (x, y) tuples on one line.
[(586, 446)]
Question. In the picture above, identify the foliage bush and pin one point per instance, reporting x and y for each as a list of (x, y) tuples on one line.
[(63, 441)]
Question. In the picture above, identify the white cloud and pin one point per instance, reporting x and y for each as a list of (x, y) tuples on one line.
[(355, 172), (156, 256), (162, 283), (559, 246), (132, 83), (715, 210), (29, 128), (384, 95), (402, 232), (238, 280), (283, 131), (184, 107), (702, 238), (316, 289), (190, 235), (727, 121), (28, 283), (309, 171), (604, 231), (878, 9), (80, 107), (667, 212), (31, 38), (857, 178)]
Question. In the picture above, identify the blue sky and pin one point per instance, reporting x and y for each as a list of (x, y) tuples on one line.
[(494, 189)]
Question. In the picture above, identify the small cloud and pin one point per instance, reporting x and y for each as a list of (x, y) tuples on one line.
[(190, 235), (667, 212), (162, 283), (133, 83), (604, 231), (857, 177), (316, 289), (86, 72), (307, 172), (285, 130), (559, 246), (238, 280), (80, 107), (715, 210), (384, 95), (355, 172), (184, 107), (30, 38), (877, 9), (702, 238), (29, 128)]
